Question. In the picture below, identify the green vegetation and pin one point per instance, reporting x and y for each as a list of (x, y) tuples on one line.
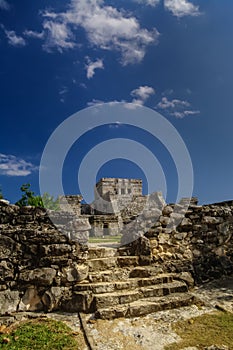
[(39, 335), (203, 331), (105, 239), (29, 198)]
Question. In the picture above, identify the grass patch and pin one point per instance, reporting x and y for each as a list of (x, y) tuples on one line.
[(39, 335), (106, 239), (206, 330)]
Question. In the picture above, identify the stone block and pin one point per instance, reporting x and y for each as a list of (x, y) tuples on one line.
[(74, 273), (9, 301), (40, 276), (31, 300)]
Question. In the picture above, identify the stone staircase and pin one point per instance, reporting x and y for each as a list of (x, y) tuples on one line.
[(119, 286)]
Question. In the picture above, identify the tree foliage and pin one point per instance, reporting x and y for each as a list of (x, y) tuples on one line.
[(29, 198)]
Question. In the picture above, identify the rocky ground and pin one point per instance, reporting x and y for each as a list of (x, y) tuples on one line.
[(152, 332)]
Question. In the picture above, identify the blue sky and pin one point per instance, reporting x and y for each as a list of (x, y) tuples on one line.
[(173, 56)]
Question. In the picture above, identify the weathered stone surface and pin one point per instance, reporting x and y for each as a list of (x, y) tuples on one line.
[(31, 300), (42, 276), (74, 273), (52, 298), (7, 245), (9, 301)]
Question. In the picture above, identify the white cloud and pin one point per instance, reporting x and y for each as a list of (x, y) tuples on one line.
[(13, 166), (63, 91), (34, 34), (95, 102), (176, 108), (13, 39), (58, 35), (4, 5), (105, 26), (92, 66), (183, 114), (180, 8), (148, 2), (165, 103), (142, 94)]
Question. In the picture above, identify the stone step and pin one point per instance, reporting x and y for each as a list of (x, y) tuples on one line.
[(108, 275), (123, 261), (131, 283), (117, 273), (146, 306), (108, 299), (101, 252), (100, 264)]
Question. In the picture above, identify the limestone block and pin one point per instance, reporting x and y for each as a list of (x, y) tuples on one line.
[(164, 220), (196, 253), (79, 236), (167, 210), (6, 247), (52, 297), (163, 238), (9, 301), (31, 300), (55, 249), (41, 276), (223, 228), (186, 222), (74, 273), (6, 271), (212, 220), (188, 254), (181, 235)]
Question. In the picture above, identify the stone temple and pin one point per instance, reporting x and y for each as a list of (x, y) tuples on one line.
[(116, 200)]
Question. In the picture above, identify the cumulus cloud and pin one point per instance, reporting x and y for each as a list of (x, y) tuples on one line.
[(105, 26), (92, 66), (13, 38), (165, 103), (58, 35), (142, 94), (176, 108), (4, 5), (34, 34), (180, 8), (148, 2), (13, 166)]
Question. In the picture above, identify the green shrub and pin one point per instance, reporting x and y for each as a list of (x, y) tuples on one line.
[(29, 198)]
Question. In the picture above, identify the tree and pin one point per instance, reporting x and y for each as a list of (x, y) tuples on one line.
[(49, 202), (29, 198)]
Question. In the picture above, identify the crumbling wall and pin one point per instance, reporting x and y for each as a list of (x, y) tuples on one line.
[(39, 265), (198, 240)]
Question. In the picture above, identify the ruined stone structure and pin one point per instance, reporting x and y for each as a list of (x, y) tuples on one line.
[(118, 186), (42, 268), (114, 199)]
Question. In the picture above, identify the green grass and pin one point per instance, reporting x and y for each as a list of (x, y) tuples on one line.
[(106, 239), (40, 335), (206, 330)]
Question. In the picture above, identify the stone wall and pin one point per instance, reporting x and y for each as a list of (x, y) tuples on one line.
[(39, 265), (118, 186), (201, 243)]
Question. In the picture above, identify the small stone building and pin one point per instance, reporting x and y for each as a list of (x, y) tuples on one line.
[(112, 196)]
